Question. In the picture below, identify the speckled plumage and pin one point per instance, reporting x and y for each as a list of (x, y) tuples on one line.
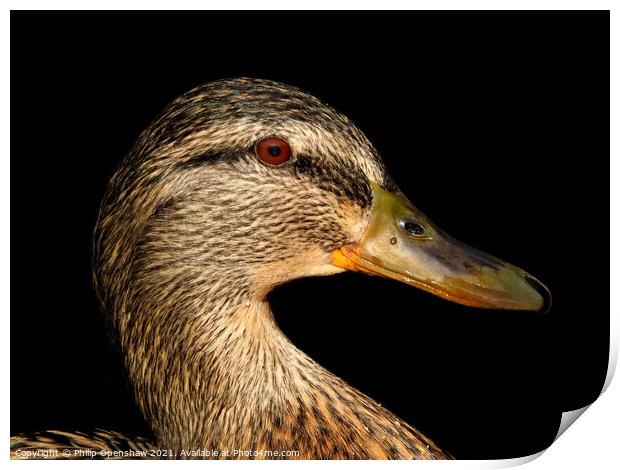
[(99, 444), (194, 231)]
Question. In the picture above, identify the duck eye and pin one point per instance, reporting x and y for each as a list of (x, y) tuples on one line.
[(273, 151), (412, 228)]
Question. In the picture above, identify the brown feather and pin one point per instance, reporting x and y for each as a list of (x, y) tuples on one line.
[(194, 231)]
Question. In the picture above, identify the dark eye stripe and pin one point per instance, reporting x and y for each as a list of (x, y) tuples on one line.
[(342, 178), (209, 158)]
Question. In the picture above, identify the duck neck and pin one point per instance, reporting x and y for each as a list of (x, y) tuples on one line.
[(221, 376)]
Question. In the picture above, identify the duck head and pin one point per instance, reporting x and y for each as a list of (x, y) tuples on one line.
[(239, 186), (258, 183)]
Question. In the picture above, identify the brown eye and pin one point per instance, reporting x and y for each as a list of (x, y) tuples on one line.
[(273, 151)]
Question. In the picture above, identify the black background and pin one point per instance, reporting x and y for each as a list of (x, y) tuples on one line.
[(495, 124)]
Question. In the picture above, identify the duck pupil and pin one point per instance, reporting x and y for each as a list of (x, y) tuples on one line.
[(274, 150), (413, 228)]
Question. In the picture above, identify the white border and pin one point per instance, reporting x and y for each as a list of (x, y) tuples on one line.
[(591, 443), (312, 5)]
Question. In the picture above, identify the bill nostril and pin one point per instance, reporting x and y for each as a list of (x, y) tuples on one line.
[(412, 227), (542, 290)]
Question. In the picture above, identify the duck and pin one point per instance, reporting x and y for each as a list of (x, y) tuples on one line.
[(239, 186)]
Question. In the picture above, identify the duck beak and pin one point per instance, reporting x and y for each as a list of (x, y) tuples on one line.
[(401, 243)]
